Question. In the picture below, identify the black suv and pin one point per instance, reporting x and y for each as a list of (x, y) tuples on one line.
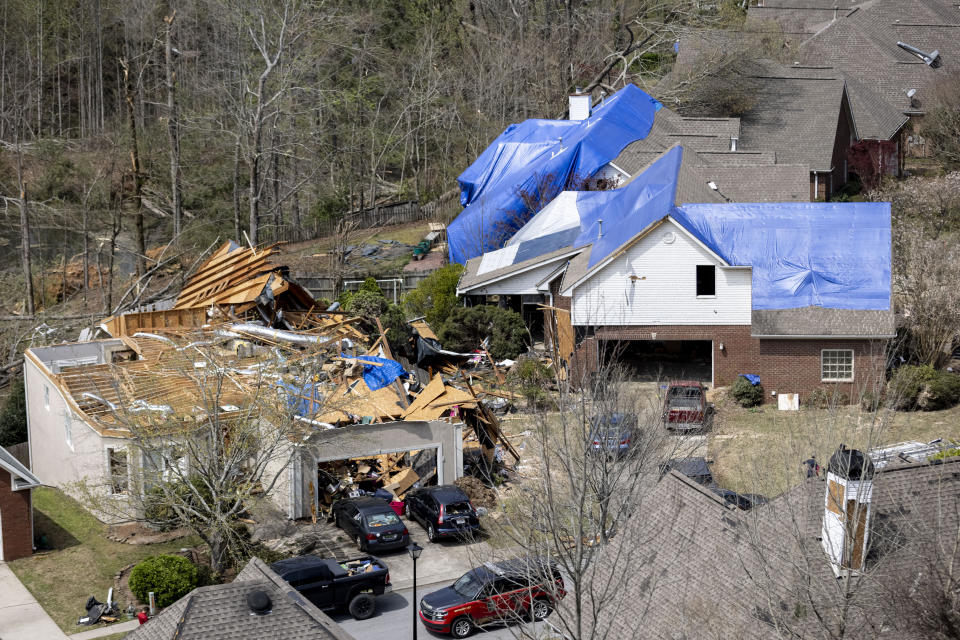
[(443, 511), (371, 523), (495, 593)]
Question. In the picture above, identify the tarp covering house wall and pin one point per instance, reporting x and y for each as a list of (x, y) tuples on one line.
[(536, 156)]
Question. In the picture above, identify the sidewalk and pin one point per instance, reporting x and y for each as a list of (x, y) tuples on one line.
[(21, 616), (109, 630)]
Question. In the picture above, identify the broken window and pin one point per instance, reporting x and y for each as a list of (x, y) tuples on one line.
[(836, 365), (706, 280), (117, 470)]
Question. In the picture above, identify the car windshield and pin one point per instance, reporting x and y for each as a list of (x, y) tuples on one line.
[(458, 509), (468, 585), (382, 519)]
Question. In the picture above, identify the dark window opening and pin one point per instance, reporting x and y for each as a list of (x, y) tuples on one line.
[(706, 280)]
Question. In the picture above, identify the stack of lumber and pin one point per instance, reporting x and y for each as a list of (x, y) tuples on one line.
[(237, 276)]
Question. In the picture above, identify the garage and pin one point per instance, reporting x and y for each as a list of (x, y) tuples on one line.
[(654, 360)]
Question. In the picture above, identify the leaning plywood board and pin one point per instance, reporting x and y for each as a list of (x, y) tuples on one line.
[(401, 481)]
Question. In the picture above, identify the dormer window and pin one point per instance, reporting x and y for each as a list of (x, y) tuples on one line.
[(706, 280)]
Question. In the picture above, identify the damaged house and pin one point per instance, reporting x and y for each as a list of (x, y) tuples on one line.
[(797, 293), (240, 334)]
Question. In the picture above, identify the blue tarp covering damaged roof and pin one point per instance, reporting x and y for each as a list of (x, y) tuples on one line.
[(536, 156), (834, 255)]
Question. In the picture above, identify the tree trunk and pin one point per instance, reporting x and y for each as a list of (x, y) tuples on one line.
[(137, 175), (173, 134), (295, 205), (236, 191), (24, 236)]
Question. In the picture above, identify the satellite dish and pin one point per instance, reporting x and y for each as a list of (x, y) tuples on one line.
[(911, 93), (712, 185)]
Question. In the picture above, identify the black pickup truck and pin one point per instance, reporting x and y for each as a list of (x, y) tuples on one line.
[(332, 584)]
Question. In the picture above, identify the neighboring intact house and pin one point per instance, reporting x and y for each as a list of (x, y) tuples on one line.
[(798, 293), (862, 549), (16, 507), (258, 604), (888, 83)]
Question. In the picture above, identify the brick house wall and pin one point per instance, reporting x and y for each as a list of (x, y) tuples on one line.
[(784, 365), (15, 510)]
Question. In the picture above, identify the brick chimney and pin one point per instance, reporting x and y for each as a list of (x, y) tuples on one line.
[(847, 510)]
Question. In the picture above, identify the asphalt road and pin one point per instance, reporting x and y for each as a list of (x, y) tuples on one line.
[(394, 620)]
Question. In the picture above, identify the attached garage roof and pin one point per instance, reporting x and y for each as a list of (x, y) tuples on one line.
[(21, 476)]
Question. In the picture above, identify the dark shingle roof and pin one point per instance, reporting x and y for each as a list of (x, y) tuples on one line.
[(221, 612), (701, 569), (821, 321)]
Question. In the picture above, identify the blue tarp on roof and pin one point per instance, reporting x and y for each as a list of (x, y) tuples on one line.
[(828, 254), (538, 156), (802, 254)]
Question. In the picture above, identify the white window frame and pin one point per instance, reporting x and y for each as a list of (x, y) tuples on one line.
[(110, 476), (824, 378)]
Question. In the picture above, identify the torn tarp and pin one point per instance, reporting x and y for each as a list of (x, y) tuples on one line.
[(378, 372), (428, 348)]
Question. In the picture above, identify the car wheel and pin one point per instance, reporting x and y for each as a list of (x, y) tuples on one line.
[(362, 606), (540, 609), (359, 542), (461, 627), (432, 533)]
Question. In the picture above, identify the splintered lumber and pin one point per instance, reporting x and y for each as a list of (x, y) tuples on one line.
[(492, 421), (401, 481)]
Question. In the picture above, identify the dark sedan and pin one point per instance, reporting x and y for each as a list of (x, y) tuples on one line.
[(443, 511), (371, 523)]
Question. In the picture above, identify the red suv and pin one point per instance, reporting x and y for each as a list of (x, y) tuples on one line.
[(495, 593)]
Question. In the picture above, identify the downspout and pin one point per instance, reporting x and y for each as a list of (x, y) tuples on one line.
[(816, 186)]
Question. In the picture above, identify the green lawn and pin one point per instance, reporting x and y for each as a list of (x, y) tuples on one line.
[(83, 561), (760, 450)]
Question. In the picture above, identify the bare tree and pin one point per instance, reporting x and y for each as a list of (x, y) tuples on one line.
[(173, 124)]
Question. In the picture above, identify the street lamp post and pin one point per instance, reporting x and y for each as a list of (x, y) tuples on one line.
[(414, 550)]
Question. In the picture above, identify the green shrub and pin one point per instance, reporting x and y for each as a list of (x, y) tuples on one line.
[(467, 327), (366, 304), (533, 377), (826, 397), (169, 577), (946, 453), (923, 387), (13, 416), (746, 394), (435, 297)]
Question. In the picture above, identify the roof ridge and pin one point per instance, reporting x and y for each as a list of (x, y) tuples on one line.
[(693, 484)]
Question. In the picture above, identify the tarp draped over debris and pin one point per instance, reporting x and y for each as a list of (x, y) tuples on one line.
[(540, 155), (379, 372)]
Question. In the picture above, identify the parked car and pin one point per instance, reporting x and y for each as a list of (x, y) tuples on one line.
[(495, 593), (444, 511), (694, 467), (612, 433), (371, 524), (331, 584), (685, 406)]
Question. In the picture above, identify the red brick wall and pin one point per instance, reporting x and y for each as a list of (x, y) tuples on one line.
[(785, 366), (15, 519)]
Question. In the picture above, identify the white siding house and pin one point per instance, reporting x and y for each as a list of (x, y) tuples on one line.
[(655, 281)]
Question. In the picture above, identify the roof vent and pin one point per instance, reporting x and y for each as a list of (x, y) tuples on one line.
[(259, 603), (931, 59)]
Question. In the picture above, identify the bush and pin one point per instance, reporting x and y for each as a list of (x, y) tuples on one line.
[(435, 297), (923, 387), (826, 397), (746, 394), (534, 376), (169, 577), (467, 327), (13, 416), (366, 304)]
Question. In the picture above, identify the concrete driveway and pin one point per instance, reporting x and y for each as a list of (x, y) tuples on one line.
[(21, 616)]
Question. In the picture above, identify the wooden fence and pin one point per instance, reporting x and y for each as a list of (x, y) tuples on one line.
[(393, 286), (397, 213)]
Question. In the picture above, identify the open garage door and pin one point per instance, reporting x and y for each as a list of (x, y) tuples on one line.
[(662, 360)]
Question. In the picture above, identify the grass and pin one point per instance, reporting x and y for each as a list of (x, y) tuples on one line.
[(115, 636), (761, 450), (83, 561)]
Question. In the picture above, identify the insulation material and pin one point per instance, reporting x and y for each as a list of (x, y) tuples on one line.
[(538, 156)]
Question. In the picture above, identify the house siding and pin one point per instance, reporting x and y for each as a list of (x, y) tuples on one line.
[(521, 283), (15, 508), (665, 289), (57, 462), (784, 365)]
